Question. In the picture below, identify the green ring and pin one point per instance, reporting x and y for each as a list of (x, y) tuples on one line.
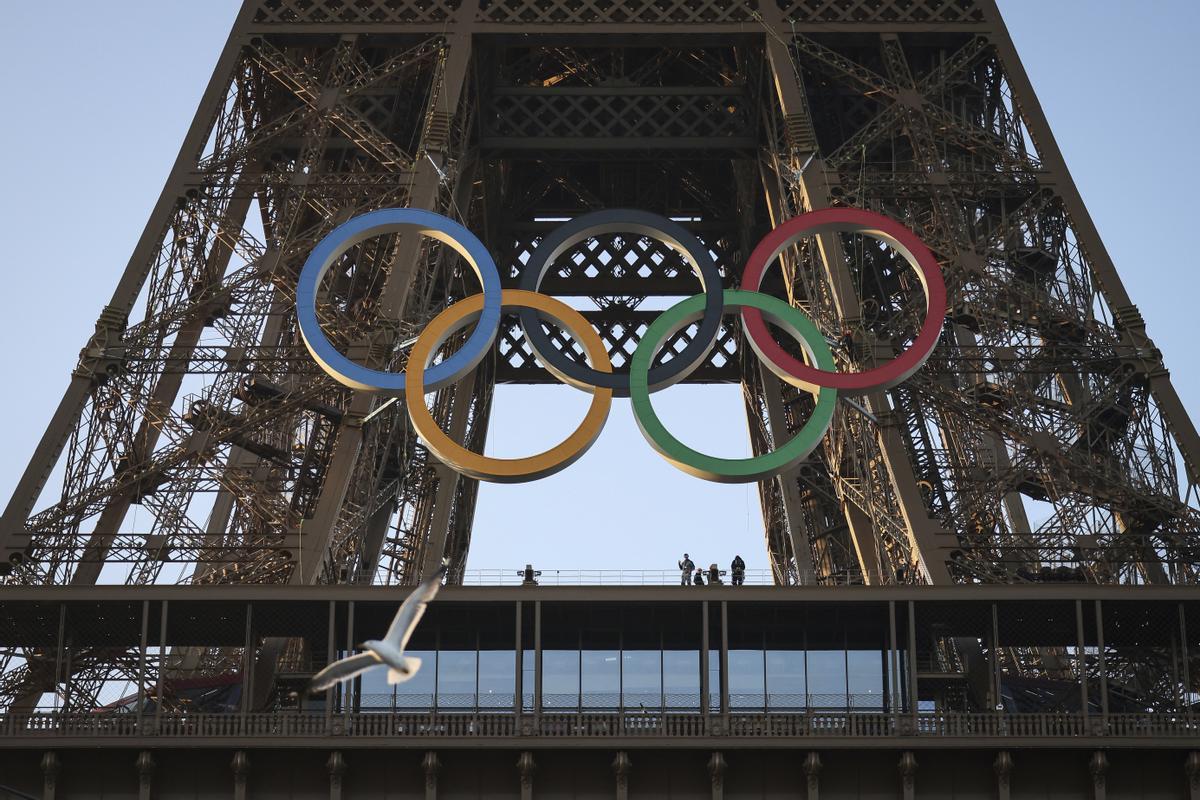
[(731, 470)]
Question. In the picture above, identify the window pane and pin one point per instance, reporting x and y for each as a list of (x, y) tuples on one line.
[(642, 678), (374, 693), (785, 679), (527, 679), (827, 678), (681, 678), (601, 678), (560, 678), (865, 677), (714, 680), (456, 679), (746, 679), (497, 678), (417, 691)]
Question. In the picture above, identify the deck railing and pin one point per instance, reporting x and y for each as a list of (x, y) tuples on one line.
[(596, 725), (611, 577)]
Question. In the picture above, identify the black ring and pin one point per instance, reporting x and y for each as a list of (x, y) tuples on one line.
[(652, 226)]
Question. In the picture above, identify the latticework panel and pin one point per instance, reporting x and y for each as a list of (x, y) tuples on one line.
[(617, 11), (622, 117), (621, 329), (354, 11), (613, 265), (889, 11)]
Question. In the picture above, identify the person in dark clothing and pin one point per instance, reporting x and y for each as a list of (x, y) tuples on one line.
[(738, 570), (685, 570), (698, 578), (848, 341), (714, 576)]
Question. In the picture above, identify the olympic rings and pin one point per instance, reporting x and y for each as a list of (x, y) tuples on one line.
[(848, 220), (390, 220), (731, 470), (507, 470), (597, 377), (649, 225)]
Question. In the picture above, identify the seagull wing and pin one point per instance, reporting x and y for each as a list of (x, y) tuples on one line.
[(342, 670), (412, 609)]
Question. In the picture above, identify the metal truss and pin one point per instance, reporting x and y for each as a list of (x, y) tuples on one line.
[(198, 443), (1036, 436)]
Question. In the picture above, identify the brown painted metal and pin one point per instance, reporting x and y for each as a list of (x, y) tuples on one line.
[(1046, 398)]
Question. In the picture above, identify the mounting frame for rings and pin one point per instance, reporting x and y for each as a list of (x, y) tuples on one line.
[(629, 221)]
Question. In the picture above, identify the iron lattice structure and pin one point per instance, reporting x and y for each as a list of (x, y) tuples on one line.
[(1042, 441)]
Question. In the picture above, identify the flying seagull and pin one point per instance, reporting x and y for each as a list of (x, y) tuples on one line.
[(390, 649)]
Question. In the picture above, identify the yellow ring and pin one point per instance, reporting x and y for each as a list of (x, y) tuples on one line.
[(507, 470)]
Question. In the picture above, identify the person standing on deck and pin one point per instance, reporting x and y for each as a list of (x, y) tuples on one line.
[(686, 566)]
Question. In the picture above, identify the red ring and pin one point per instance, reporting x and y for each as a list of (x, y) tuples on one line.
[(847, 220)]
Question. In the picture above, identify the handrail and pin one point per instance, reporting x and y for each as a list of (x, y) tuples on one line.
[(627, 577), (589, 724)]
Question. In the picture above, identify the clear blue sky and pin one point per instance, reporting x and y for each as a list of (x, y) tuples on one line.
[(98, 97)]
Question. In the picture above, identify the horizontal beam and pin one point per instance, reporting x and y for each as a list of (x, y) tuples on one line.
[(588, 730), (624, 594), (653, 32), (591, 144), (731, 372), (618, 91)]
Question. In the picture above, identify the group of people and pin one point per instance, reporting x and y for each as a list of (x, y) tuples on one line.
[(693, 575)]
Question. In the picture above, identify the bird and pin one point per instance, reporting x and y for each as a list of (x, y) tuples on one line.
[(390, 649)]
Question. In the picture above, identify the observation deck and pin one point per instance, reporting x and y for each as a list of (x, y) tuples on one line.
[(605, 665), (565, 676)]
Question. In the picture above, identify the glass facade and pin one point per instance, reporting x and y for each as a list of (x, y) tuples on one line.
[(782, 668), (468, 663)]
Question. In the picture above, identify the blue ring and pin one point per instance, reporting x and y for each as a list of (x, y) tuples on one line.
[(375, 223)]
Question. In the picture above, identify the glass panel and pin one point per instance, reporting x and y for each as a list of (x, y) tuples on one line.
[(785, 679), (746, 685), (864, 672), (601, 678), (417, 692), (714, 680), (374, 692), (560, 678), (528, 680), (497, 678), (456, 679), (681, 678), (893, 684), (641, 676), (827, 678)]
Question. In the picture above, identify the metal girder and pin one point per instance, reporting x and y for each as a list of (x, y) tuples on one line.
[(1038, 442)]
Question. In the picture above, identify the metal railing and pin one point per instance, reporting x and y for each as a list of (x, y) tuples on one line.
[(598, 725), (623, 577)]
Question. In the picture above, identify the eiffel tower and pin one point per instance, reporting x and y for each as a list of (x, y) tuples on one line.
[(1044, 434), (1042, 442)]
